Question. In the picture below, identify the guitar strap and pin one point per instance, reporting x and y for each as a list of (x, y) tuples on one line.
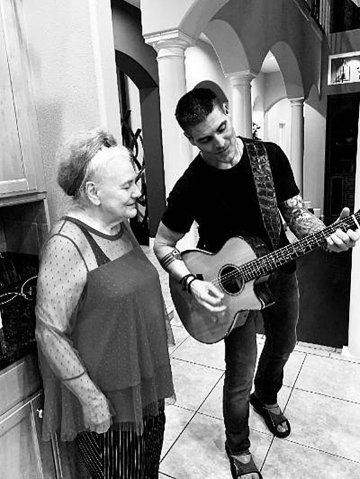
[(265, 189)]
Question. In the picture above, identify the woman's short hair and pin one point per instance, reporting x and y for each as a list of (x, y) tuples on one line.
[(75, 157), (195, 106)]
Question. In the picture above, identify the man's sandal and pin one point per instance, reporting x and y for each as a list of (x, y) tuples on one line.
[(271, 419), (239, 469)]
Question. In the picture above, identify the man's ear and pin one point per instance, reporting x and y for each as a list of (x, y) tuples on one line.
[(92, 193), (190, 138)]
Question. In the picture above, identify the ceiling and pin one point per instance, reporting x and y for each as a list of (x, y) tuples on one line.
[(269, 65)]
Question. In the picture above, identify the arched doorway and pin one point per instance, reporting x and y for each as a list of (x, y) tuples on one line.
[(150, 134), (215, 88)]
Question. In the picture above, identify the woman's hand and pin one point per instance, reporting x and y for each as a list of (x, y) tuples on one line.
[(96, 412), (208, 295)]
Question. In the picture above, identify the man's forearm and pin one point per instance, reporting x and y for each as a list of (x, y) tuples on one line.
[(299, 219), (170, 259), (166, 252)]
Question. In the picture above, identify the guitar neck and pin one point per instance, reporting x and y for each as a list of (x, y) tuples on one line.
[(270, 262)]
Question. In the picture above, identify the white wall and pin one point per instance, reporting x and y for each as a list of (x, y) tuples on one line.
[(278, 125), (314, 152), (202, 63), (257, 101), (71, 53)]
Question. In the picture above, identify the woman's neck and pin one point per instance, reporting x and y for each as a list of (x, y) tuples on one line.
[(92, 218)]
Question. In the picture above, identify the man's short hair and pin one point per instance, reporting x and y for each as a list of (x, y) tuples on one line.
[(195, 106)]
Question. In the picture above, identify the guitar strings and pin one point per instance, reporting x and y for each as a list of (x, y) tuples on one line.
[(244, 270), (254, 268)]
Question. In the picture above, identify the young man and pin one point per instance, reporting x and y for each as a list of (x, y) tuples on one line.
[(219, 192)]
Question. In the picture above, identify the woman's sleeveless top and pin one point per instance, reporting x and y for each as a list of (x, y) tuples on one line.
[(120, 334)]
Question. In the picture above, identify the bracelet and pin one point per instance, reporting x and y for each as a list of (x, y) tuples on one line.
[(183, 281), (189, 283)]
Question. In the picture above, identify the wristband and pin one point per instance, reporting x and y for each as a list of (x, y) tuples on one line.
[(189, 283), (184, 279)]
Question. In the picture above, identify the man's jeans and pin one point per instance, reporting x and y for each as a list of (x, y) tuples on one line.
[(280, 322)]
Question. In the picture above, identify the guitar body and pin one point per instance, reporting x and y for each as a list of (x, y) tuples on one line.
[(243, 283), (239, 295)]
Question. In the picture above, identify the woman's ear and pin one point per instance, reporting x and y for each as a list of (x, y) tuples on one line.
[(92, 193)]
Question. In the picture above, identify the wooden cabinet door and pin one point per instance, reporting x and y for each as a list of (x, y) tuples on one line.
[(19, 145), (59, 459), (19, 448), (48, 450)]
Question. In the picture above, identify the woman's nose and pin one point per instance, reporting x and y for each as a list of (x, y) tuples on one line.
[(136, 193)]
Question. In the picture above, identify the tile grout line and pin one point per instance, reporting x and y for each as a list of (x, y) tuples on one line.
[(322, 450), (198, 364), (178, 346), (287, 402), (193, 415), (324, 395), (166, 475), (180, 433)]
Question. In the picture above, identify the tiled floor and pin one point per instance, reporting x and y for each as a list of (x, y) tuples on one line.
[(321, 398)]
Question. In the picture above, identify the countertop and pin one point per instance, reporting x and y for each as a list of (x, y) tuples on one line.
[(18, 276), (17, 338)]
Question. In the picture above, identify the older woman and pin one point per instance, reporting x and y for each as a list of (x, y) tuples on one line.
[(101, 319)]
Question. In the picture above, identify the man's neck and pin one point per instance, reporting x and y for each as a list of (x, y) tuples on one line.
[(227, 166)]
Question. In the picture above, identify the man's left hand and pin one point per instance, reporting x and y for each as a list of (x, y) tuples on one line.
[(340, 241)]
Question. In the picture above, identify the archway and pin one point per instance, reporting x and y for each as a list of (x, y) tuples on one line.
[(151, 134), (215, 88)]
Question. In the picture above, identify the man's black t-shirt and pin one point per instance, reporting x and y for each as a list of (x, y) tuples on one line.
[(224, 203)]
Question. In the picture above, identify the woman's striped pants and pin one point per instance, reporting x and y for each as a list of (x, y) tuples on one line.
[(124, 454)]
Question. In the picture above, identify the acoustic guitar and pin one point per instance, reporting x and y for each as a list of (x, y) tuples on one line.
[(241, 270)]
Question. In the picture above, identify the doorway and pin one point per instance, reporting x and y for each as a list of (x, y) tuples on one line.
[(324, 278), (341, 144)]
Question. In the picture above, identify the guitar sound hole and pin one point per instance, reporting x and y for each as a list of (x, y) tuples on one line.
[(230, 280)]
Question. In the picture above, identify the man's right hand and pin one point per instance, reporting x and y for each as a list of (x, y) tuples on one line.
[(208, 296)]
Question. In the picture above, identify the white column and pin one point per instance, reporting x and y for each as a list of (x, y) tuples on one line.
[(353, 348), (177, 151), (170, 47), (297, 140), (240, 103)]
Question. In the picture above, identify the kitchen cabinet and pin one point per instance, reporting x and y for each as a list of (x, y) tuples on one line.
[(20, 455), (20, 166), (23, 454)]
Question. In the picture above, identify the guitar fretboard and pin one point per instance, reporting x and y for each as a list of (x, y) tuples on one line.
[(268, 263)]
